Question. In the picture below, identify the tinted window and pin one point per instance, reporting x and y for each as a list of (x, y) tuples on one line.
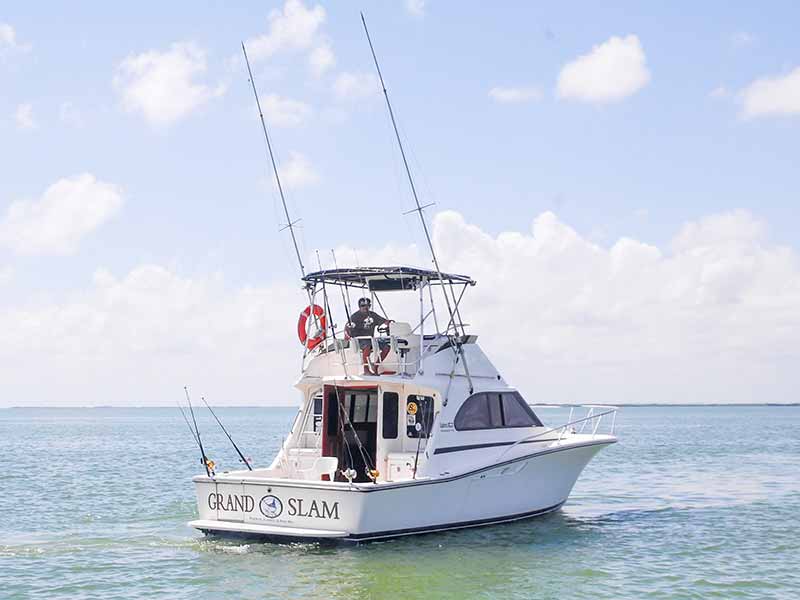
[(517, 413), (333, 414), (495, 412), (390, 407), (474, 414), (492, 410), (419, 410)]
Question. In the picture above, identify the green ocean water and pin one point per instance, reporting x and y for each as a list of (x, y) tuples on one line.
[(694, 502)]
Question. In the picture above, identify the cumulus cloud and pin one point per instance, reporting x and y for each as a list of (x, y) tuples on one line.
[(285, 112), (295, 28), (55, 223), (772, 96), (9, 44), (353, 86), (611, 72), (23, 117), (320, 59), (714, 319), (138, 338), (297, 172), (710, 318), (163, 86), (512, 95)]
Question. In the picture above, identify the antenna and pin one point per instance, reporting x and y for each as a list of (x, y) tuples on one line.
[(419, 208), (290, 224)]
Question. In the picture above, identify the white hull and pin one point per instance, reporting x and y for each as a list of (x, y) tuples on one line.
[(524, 486)]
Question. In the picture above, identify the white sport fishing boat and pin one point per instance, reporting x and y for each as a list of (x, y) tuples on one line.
[(437, 440), (406, 430)]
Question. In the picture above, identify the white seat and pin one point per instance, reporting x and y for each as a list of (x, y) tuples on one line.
[(399, 329), (324, 465)]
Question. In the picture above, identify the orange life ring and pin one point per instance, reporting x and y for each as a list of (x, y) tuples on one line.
[(311, 343)]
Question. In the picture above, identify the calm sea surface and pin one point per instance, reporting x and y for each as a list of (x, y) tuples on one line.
[(699, 502)]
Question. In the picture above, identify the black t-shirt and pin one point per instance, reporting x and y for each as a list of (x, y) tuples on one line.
[(364, 323)]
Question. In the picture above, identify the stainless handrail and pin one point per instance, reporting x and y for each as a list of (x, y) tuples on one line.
[(560, 427)]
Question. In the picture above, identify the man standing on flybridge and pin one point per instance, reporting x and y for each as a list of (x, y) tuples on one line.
[(362, 324)]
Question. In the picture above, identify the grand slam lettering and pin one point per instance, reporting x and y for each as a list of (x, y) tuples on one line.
[(295, 507)]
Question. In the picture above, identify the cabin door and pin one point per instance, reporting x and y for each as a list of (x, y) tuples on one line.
[(351, 429)]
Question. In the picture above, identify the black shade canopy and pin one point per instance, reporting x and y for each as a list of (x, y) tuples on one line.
[(383, 278)]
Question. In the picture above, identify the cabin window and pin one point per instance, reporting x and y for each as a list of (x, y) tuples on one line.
[(333, 414), (361, 407), (494, 410), (391, 405), (517, 413), (419, 410), (317, 411)]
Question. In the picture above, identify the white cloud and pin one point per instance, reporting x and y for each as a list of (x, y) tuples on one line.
[(162, 86), (295, 28), (297, 172), (712, 318), (23, 117), (772, 96), (612, 71), (68, 210), (9, 43), (285, 112), (511, 95), (352, 86), (416, 7), (321, 59), (139, 338)]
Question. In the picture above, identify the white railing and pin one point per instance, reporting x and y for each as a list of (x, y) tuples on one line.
[(592, 418), (403, 348), (594, 415)]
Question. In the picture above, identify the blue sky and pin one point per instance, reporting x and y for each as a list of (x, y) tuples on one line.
[(686, 138)]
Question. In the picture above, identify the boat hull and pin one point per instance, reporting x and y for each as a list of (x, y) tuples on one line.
[(518, 488)]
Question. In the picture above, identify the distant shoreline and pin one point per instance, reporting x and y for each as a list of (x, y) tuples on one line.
[(294, 406)]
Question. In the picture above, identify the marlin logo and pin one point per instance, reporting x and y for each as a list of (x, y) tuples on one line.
[(270, 506)]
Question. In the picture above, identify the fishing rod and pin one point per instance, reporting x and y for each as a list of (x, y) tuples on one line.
[(290, 224), (239, 452), (208, 464), (419, 208), (186, 420)]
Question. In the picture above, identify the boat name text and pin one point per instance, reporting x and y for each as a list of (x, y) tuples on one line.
[(295, 507)]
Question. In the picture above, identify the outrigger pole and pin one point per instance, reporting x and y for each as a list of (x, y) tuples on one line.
[(290, 224), (419, 208)]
